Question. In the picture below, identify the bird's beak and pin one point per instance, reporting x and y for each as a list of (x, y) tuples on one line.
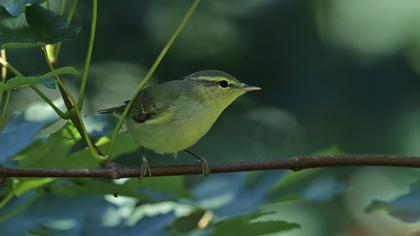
[(248, 88)]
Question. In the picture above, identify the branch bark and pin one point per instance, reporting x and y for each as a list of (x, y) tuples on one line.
[(294, 163)]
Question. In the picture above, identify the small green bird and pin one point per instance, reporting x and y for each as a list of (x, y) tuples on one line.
[(172, 116)]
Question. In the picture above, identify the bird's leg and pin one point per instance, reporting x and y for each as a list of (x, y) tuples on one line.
[(145, 167), (204, 164)]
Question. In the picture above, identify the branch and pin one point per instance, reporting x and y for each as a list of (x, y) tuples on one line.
[(294, 163)]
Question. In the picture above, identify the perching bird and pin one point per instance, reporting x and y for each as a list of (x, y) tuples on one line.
[(172, 116)]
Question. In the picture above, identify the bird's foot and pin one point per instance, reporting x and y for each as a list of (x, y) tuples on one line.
[(204, 164), (205, 167), (145, 168)]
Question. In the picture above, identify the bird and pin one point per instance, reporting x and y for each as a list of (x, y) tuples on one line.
[(172, 116)]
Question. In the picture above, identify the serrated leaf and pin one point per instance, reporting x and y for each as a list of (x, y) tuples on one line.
[(48, 27), (22, 81)]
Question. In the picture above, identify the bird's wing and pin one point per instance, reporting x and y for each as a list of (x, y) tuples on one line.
[(155, 104), (147, 108)]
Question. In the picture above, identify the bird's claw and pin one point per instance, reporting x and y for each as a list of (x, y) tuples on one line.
[(145, 168), (205, 167)]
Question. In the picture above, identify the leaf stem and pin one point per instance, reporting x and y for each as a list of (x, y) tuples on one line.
[(72, 11), (88, 54), (4, 110), (3, 72), (75, 115), (151, 71), (62, 6), (3, 80), (35, 88)]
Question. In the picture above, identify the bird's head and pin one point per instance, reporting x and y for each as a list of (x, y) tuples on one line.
[(218, 86)]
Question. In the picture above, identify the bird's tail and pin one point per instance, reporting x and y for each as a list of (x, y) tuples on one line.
[(117, 110)]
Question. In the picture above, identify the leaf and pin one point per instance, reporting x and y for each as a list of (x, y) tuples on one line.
[(405, 207), (244, 226), (310, 184), (173, 185), (51, 209), (48, 27), (18, 45), (188, 223), (53, 153), (23, 186), (18, 128), (38, 26), (99, 187), (27, 185), (14, 31), (16, 7), (22, 81)]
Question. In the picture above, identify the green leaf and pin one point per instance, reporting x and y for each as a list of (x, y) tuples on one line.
[(14, 30), (185, 224), (100, 187), (48, 27), (27, 185), (22, 81), (54, 152), (36, 27), (243, 225), (170, 184), (19, 45), (22, 186)]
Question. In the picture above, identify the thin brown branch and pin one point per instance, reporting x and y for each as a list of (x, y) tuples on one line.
[(294, 163)]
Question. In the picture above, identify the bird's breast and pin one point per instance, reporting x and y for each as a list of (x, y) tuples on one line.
[(185, 127)]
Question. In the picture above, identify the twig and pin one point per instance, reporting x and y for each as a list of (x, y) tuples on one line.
[(294, 163)]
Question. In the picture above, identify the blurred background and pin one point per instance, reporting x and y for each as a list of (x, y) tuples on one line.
[(337, 76)]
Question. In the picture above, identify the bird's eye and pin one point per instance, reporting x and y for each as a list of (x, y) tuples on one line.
[(223, 84)]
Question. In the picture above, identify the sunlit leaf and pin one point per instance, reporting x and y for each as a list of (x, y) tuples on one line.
[(24, 186)]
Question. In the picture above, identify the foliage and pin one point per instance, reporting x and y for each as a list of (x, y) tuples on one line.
[(331, 103)]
